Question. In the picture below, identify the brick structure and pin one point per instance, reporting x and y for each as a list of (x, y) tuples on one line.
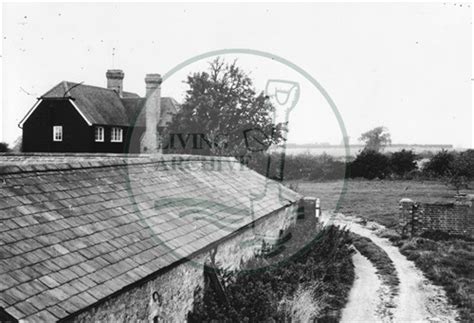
[(93, 237), (455, 217)]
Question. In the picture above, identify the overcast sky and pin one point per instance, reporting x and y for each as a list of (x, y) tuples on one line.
[(404, 66)]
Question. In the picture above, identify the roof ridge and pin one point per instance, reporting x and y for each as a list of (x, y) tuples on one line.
[(51, 166), (144, 98), (88, 85)]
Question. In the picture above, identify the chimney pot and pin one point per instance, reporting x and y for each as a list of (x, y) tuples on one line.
[(152, 82), (115, 80)]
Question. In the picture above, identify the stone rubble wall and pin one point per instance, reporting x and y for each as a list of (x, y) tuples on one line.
[(178, 285)]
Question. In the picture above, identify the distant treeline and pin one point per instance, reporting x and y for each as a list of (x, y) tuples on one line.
[(358, 146), (404, 164)]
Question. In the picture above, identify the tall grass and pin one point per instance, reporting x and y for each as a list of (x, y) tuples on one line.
[(449, 263)]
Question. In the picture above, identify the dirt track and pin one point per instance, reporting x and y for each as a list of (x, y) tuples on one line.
[(418, 299), (363, 298)]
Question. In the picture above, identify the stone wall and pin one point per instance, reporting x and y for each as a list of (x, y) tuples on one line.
[(177, 286), (454, 218)]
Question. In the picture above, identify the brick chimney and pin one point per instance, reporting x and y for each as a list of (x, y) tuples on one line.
[(115, 80), (151, 141)]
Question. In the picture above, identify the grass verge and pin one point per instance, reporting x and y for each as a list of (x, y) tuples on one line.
[(448, 263), (379, 258)]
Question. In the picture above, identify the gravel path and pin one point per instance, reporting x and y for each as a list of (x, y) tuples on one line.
[(418, 299), (364, 297)]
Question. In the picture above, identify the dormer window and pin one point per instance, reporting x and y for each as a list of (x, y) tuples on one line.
[(99, 134), (116, 135), (57, 133)]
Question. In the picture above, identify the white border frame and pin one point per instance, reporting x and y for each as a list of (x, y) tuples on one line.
[(103, 133), (61, 132), (120, 132)]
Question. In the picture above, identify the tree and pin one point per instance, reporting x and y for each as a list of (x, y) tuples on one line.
[(222, 114), (376, 139), (370, 164), (4, 147), (439, 165), (461, 170), (455, 169), (402, 162)]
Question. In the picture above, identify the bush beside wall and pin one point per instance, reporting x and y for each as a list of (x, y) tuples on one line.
[(320, 276)]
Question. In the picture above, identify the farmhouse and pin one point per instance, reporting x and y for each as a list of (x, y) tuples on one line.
[(104, 237), (74, 117)]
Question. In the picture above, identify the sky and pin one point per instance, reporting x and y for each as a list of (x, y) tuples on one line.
[(403, 66)]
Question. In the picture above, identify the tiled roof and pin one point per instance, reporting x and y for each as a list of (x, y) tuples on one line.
[(135, 108), (104, 106), (78, 228)]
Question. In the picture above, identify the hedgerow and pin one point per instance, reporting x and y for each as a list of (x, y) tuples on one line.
[(455, 168)]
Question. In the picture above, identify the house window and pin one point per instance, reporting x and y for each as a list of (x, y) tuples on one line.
[(57, 133), (117, 135), (99, 134)]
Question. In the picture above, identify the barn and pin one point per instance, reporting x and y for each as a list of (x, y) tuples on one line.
[(93, 237)]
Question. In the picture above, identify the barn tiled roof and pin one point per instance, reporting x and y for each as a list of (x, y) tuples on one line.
[(104, 106), (77, 228)]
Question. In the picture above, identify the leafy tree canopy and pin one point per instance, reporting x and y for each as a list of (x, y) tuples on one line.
[(370, 164), (403, 162), (376, 139), (223, 108), (440, 164)]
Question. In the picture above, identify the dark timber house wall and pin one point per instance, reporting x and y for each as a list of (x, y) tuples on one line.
[(81, 108), (38, 128), (78, 136)]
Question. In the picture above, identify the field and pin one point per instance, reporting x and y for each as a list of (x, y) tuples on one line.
[(445, 261), (373, 200)]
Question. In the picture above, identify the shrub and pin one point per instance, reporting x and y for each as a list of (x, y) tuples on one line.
[(461, 171), (456, 169), (370, 164), (402, 162), (321, 274), (300, 166), (440, 164)]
